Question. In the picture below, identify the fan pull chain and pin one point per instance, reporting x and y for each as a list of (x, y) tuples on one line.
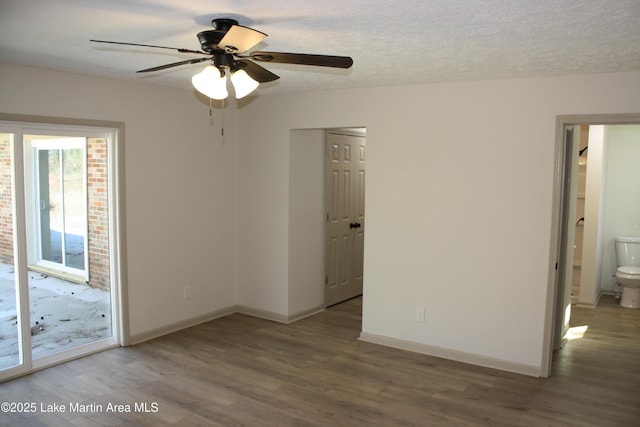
[(221, 114), (211, 119), (222, 118)]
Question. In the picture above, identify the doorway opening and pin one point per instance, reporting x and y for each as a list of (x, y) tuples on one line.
[(577, 222), (308, 218), (59, 244)]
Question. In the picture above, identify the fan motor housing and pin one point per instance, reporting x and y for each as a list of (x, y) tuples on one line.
[(223, 24), (209, 39)]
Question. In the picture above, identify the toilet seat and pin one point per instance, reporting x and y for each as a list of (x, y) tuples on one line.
[(628, 272)]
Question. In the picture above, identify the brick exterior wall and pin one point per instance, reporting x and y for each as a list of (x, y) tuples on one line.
[(6, 204), (98, 213), (97, 210)]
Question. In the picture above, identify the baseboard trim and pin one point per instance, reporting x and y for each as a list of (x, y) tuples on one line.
[(305, 313), (459, 356), (277, 317), (194, 321), (262, 314), (178, 326), (588, 304)]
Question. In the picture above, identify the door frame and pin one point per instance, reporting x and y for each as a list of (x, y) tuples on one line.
[(116, 165), (555, 284)]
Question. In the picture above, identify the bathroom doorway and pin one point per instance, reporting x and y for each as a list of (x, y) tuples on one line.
[(575, 225)]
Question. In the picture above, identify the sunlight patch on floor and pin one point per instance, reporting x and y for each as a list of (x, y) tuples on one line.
[(576, 332)]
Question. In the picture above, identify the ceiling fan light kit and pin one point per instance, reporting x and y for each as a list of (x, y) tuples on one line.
[(242, 83), (224, 45), (211, 83)]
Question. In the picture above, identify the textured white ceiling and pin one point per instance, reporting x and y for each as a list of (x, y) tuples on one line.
[(391, 41)]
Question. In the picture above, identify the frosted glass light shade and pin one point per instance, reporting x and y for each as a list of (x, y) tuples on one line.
[(243, 84), (209, 83)]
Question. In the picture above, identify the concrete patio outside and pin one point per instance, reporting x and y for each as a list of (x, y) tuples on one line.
[(63, 315)]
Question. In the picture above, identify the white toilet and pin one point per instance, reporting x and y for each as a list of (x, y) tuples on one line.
[(628, 273)]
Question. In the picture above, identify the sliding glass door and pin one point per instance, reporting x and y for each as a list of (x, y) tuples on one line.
[(59, 172), (58, 286)]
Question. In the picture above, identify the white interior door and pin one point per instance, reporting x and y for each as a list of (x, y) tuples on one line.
[(344, 201)]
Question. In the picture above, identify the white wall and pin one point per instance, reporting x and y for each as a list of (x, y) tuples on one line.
[(592, 232), (459, 203), (306, 223), (180, 187), (621, 209)]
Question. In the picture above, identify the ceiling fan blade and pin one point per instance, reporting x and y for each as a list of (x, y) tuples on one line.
[(151, 45), (240, 39), (174, 64), (256, 72), (303, 59)]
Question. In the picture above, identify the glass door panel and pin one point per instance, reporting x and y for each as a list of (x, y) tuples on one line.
[(50, 199), (74, 213), (61, 203), (70, 301), (10, 348), (11, 354)]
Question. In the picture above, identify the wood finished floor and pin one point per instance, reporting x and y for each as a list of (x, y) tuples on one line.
[(243, 371)]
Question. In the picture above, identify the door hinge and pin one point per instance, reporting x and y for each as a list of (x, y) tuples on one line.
[(556, 265), (327, 216), (326, 280)]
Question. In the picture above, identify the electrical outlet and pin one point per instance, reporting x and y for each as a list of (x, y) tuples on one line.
[(187, 291), (420, 314)]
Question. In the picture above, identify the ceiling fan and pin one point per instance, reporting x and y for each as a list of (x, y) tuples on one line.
[(224, 46)]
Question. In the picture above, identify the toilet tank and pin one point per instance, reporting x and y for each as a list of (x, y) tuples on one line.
[(628, 250)]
